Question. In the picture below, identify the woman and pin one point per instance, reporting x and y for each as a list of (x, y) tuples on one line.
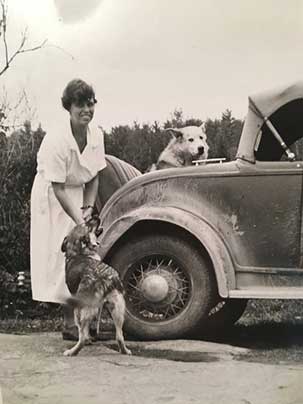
[(63, 194)]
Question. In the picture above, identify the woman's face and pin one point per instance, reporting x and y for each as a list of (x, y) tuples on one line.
[(81, 113)]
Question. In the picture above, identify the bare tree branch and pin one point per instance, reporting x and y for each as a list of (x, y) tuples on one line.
[(21, 49), (3, 27), (34, 48), (50, 45), (2, 20)]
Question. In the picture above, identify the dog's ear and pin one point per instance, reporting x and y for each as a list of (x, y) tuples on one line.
[(203, 127), (177, 133), (99, 231), (63, 245)]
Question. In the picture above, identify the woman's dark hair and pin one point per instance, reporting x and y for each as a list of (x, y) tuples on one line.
[(77, 91)]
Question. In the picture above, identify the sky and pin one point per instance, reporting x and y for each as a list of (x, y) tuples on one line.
[(147, 58)]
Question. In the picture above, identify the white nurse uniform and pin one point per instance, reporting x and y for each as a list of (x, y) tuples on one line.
[(58, 160)]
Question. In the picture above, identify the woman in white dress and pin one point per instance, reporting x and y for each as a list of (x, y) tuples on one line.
[(64, 193)]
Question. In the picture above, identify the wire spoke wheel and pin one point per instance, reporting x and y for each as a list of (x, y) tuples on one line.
[(157, 288), (169, 286)]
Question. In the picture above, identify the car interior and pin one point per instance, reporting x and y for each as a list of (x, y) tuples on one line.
[(288, 121)]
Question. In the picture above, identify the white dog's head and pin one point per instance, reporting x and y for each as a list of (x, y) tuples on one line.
[(192, 140)]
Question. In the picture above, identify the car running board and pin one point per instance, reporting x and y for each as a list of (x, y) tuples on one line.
[(266, 293)]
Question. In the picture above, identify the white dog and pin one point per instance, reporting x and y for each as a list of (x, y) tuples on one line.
[(188, 144)]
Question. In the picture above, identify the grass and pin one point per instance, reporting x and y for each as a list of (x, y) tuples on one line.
[(277, 311), (258, 312)]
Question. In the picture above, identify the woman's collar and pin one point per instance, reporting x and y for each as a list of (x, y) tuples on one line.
[(93, 135)]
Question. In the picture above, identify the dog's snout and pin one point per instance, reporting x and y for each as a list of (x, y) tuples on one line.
[(201, 150)]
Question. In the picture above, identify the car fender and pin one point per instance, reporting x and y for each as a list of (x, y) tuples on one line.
[(197, 226)]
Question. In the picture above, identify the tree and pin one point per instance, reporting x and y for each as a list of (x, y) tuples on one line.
[(212, 129), (138, 144), (229, 135), (176, 121)]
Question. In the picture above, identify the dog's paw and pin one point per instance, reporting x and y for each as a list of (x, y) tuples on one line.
[(122, 348), (69, 352), (89, 341), (126, 351)]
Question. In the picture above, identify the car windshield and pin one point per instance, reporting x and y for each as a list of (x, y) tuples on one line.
[(288, 121)]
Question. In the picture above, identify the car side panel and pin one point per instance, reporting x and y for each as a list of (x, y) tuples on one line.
[(255, 213)]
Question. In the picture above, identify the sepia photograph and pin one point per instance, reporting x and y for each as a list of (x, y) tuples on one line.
[(151, 202)]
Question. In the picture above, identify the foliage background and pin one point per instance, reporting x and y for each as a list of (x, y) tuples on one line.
[(138, 144)]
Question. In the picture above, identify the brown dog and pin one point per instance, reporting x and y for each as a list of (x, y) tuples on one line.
[(92, 283)]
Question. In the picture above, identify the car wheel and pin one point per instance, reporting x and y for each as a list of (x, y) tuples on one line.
[(169, 286)]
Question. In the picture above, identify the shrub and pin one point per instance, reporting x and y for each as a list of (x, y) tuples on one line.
[(17, 170)]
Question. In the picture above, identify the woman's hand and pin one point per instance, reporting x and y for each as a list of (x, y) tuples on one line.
[(87, 212)]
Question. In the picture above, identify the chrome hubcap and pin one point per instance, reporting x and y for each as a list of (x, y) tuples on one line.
[(157, 288), (154, 288)]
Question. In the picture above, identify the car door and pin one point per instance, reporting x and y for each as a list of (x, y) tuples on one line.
[(270, 213)]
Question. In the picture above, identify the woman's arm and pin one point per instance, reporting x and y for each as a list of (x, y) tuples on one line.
[(67, 204), (91, 191), (89, 197)]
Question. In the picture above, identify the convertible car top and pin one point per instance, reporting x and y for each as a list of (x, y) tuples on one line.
[(277, 111)]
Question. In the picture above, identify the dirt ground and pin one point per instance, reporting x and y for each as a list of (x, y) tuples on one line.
[(34, 371)]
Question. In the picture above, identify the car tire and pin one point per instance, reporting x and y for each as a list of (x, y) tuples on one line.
[(169, 286)]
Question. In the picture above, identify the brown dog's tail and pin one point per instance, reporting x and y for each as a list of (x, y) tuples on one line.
[(83, 301), (77, 302), (74, 302)]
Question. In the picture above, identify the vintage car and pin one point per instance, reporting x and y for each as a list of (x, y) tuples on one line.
[(194, 244)]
